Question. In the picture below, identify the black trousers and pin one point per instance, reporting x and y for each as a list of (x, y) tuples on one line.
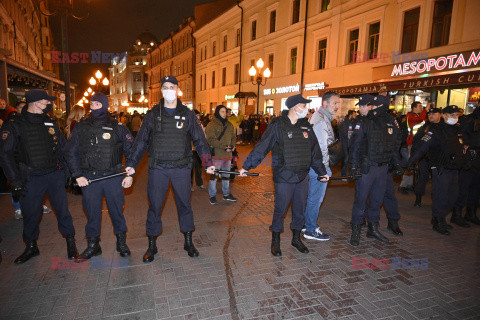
[(197, 169), (468, 188), (422, 177), (444, 191)]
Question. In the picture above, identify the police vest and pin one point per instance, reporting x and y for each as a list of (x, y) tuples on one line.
[(380, 140), (450, 153), (170, 142), (100, 148), (297, 154), (38, 148)]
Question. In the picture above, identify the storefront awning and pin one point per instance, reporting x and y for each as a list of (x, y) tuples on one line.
[(242, 94), (452, 80)]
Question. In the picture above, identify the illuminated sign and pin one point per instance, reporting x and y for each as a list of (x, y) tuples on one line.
[(453, 61), (228, 97), (315, 86), (287, 89)]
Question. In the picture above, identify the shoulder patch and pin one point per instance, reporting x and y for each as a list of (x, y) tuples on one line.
[(129, 137), (426, 137), (120, 124), (5, 134), (357, 127)]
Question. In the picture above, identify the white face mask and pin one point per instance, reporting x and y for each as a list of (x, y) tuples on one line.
[(302, 114), (451, 121), (169, 95)]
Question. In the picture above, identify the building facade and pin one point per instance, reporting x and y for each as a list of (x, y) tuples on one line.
[(175, 55), (128, 77), (351, 47)]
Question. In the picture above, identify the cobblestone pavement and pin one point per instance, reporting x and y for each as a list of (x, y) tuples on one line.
[(235, 276)]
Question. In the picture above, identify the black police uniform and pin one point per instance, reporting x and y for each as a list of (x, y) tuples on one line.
[(30, 154), (168, 138), (444, 146), (375, 143), (469, 175), (294, 150), (94, 150)]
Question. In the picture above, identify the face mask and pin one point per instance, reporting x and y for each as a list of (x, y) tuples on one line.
[(169, 95), (451, 121), (302, 114)]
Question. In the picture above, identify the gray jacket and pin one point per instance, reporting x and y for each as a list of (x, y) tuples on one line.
[(321, 121)]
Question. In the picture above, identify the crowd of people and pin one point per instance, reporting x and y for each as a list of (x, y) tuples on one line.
[(39, 158)]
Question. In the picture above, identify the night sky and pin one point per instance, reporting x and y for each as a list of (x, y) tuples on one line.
[(113, 26)]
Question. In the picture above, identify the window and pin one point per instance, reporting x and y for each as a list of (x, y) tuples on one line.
[(205, 81), (213, 79), (410, 30), (46, 41), (137, 76), (321, 54), (442, 17), (237, 41), (273, 21), (214, 48), (325, 5), (254, 30), (224, 77), (225, 40), (270, 64), (353, 46), (293, 61), (201, 54), (373, 36), (236, 74), (296, 11)]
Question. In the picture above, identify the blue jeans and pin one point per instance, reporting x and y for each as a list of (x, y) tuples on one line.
[(16, 204), (212, 184), (316, 193)]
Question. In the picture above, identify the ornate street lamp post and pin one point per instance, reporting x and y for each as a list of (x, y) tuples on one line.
[(259, 74)]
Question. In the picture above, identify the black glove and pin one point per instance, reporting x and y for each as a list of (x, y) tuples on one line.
[(18, 191), (354, 174), (398, 170)]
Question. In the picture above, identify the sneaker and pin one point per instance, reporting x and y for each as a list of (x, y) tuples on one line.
[(213, 201), (304, 230), (18, 214), (201, 187), (317, 235), (229, 197), (46, 210)]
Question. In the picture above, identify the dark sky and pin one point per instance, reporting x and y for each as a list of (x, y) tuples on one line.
[(113, 26)]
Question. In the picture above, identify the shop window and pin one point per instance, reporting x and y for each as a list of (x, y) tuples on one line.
[(321, 54), (353, 46), (442, 18), (254, 30), (325, 5), (296, 11), (410, 30), (373, 36), (293, 61), (273, 20)]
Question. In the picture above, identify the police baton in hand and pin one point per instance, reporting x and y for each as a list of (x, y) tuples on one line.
[(218, 172), (340, 178), (75, 184)]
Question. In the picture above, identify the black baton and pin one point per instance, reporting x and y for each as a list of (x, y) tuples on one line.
[(340, 178), (236, 173), (75, 184)]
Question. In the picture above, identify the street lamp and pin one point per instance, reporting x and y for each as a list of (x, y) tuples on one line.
[(259, 75)]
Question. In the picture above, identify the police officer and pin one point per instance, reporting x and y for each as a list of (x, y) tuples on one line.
[(469, 175), (95, 150), (30, 154), (374, 147), (445, 148), (295, 149), (168, 130), (423, 170)]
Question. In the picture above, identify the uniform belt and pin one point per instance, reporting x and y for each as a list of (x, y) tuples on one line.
[(378, 164)]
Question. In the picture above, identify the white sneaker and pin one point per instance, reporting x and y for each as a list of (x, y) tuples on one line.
[(46, 210), (18, 214), (316, 235)]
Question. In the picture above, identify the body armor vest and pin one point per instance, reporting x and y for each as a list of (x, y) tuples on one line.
[(380, 140), (100, 148), (38, 148), (449, 154), (297, 154), (170, 143)]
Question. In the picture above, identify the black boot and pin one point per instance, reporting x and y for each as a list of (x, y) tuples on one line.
[(373, 232), (297, 242), (275, 247), (418, 201), (72, 251), (152, 249), (434, 222), (364, 223), (355, 238), (393, 226), (457, 218), (122, 247), (471, 216), (93, 249), (188, 246), (440, 226), (31, 250)]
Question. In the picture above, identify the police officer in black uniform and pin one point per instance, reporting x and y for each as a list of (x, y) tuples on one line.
[(374, 147), (445, 149), (423, 169), (469, 175), (30, 154), (295, 149), (94, 150), (168, 130)]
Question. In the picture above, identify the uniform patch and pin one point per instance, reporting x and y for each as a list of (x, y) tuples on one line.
[(305, 134), (426, 138), (107, 128), (179, 125), (289, 134), (48, 124), (357, 127), (390, 131), (51, 130), (396, 123), (5, 135), (106, 136), (54, 138), (129, 137)]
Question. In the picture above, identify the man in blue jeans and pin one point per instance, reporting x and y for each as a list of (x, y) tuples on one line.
[(322, 126)]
